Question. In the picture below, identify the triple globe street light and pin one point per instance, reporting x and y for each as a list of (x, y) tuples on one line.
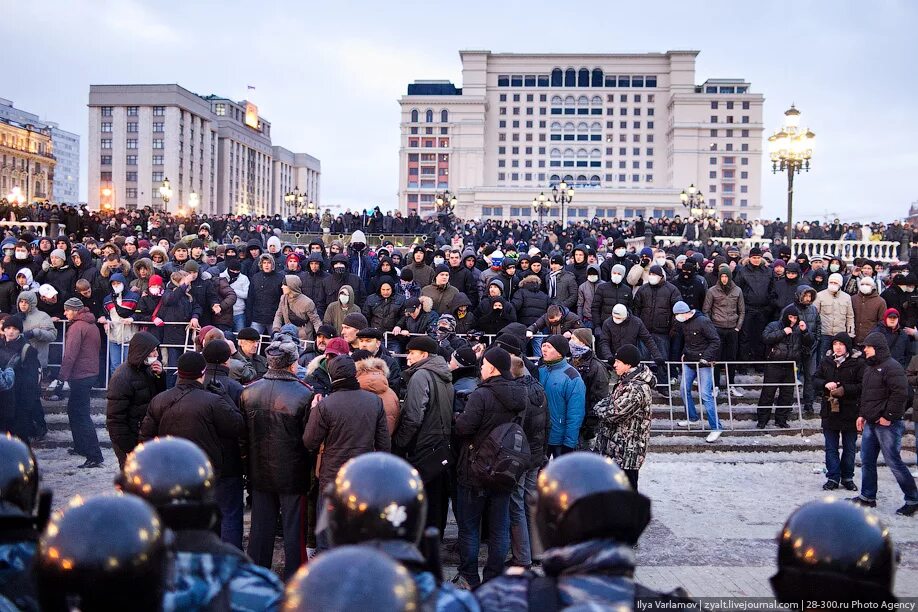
[(790, 149), (694, 200)]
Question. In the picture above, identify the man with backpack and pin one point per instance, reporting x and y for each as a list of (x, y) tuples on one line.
[(493, 454)]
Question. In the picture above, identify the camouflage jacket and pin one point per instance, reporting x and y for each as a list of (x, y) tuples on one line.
[(16, 582), (624, 419), (204, 581)]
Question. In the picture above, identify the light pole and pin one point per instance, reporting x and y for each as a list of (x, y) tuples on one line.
[(562, 194), (16, 197), (541, 205), (790, 149), (311, 208), (193, 201), (445, 203), (695, 202), (165, 192), (294, 199)]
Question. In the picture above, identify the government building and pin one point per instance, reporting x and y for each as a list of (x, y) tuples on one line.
[(216, 153), (628, 132)]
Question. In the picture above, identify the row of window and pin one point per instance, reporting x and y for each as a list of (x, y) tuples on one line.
[(132, 111), (729, 133), (726, 89), (429, 116), (608, 213), (131, 160), (576, 78), (729, 119), (729, 104), (133, 127), (131, 143)]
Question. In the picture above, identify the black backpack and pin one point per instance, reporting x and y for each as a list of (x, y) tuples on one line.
[(502, 457)]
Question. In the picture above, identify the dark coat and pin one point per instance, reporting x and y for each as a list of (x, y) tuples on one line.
[(692, 288), (786, 347), (63, 279), (17, 404), (349, 423), (596, 378), (758, 286), (493, 402), (427, 413), (654, 305), (491, 320), (382, 313), (535, 422), (606, 297), (613, 336), (276, 409), (462, 279), (701, 339), (900, 343), (884, 388), (569, 322), (530, 302), (264, 295), (130, 390), (232, 458), (334, 281), (314, 284), (177, 305), (190, 411), (848, 375)]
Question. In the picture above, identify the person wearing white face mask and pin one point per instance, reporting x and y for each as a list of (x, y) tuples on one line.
[(586, 292), (622, 328), (702, 347), (618, 256), (608, 294), (653, 303), (119, 306), (835, 311), (868, 309)]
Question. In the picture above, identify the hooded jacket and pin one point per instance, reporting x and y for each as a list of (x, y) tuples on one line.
[(139, 285), (297, 309), (427, 414), (468, 322), (334, 281), (62, 278), (426, 321), (17, 404), (848, 375), (786, 347), (130, 390), (464, 281), (37, 327), (725, 304), (312, 283), (898, 342), (335, 313), (569, 322), (585, 295), (624, 418), (9, 290), (530, 302), (494, 401), (808, 314), (81, 348), (373, 375), (491, 320), (884, 387), (423, 274), (691, 286), (264, 293), (868, 311), (786, 288)]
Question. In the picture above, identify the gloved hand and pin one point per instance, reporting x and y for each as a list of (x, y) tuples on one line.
[(28, 335), (46, 265), (837, 392), (660, 365)]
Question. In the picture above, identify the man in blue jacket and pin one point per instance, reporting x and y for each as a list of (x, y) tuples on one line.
[(566, 393)]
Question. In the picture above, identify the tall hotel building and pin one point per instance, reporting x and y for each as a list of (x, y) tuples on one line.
[(216, 153), (628, 131)]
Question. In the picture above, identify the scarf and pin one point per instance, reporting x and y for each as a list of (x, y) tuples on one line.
[(839, 360), (553, 283), (578, 350)]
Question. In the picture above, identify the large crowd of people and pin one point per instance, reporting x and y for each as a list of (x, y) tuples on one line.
[(474, 356)]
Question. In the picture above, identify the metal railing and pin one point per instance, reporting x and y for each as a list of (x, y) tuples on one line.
[(847, 250)]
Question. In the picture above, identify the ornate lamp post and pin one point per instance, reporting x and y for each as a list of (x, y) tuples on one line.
[(194, 200), (541, 205), (790, 149), (445, 203), (165, 192), (562, 194), (294, 199), (694, 200)]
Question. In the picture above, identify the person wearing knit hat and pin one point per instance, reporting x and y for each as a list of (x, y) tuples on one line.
[(838, 379), (595, 377), (73, 304), (584, 336), (498, 359), (465, 358), (217, 352), (420, 345), (566, 393), (755, 252), (440, 291), (350, 325), (725, 305), (281, 354), (629, 355), (191, 366)]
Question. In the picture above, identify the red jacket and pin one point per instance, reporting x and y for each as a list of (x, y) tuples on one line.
[(81, 348)]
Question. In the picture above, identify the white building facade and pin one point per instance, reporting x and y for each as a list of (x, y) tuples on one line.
[(66, 181), (628, 131), (215, 152)]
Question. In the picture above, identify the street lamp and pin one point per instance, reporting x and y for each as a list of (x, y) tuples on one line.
[(165, 192), (445, 203), (193, 200), (562, 194), (790, 149), (294, 199), (107, 194), (695, 202), (15, 196), (541, 205), (311, 208)]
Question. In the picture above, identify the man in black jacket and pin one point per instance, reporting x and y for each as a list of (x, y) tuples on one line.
[(609, 294), (135, 383), (370, 339), (757, 283), (884, 398), (276, 409), (498, 399), (461, 277), (264, 294)]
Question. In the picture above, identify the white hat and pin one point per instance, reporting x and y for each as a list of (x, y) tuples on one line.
[(620, 311), (836, 278), (47, 291)]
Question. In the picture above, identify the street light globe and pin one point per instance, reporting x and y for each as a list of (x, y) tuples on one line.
[(792, 117), (106, 192)]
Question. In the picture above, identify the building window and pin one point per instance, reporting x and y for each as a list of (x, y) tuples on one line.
[(713, 161), (220, 109), (157, 143), (131, 192), (107, 126), (157, 177), (132, 127), (159, 111), (158, 160), (131, 143), (106, 143), (745, 119), (712, 174), (131, 176), (159, 127), (729, 105), (106, 111), (444, 116), (130, 160), (131, 111), (713, 118), (428, 116), (106, 160), (713, 133), (745, 105)]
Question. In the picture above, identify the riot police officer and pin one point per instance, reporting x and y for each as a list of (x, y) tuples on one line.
[(834, 551), (106, 553), (19, 525), (351, 578), (588, 516), (176, 477), (378, 500)]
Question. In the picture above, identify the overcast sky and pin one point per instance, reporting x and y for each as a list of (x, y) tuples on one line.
[(328, 75)]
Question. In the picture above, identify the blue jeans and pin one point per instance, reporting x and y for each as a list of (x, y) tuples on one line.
[(838, 470), (85, 440), (888, 440), (116, 354), (705, 390), (522, 518), (472, 505), (230, 491), (261, 328), (536, 346), (238, 322)]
